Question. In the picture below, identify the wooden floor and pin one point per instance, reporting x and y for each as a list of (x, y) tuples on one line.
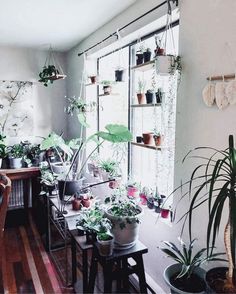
[(26, 267)]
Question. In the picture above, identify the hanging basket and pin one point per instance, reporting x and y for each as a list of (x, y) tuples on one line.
[(52, 70)]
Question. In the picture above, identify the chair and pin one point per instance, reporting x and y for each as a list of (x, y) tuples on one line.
[(5, 189)]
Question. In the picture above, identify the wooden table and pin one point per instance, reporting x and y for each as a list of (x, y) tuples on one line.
[(27, 175)]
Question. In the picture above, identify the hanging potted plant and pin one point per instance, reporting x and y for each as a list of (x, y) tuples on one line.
[(51, 70), (147, 55), (141, 91)]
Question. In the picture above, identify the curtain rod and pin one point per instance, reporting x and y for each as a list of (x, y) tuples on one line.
[(128, 24)]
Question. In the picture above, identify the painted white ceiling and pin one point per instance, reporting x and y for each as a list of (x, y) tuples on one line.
[(61, 23)]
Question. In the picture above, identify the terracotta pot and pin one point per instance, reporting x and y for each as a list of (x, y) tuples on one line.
[(148, 138), (76, 204), (141, 98), (159, 51), (93, 79), (86, 203), (158, 140)]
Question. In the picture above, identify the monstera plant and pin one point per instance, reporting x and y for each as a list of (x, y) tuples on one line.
[(213, 182)]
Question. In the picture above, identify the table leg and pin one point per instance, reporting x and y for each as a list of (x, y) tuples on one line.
[(92, 273), (73, 261), (141, 274), (85, 271)]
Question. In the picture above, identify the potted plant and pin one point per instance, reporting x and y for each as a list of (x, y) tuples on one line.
[(109, 168), (15, 155), (217, 188), (158, 138), (139, 54), (141, 91), (124, 215), (119, 74), (149, 96), (49, 74), (159, 95), (3, 153), (47, 179), (159, 49), (93, 79), (148, 138), (132, 188), (107, 87), (105, 243), (186, 275), (147, 55)]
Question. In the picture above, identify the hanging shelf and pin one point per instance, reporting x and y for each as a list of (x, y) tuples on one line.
[(51, 71), (221, 78)]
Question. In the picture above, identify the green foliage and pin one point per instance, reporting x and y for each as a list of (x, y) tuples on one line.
[(213, 182), (175, 65), (47, 177), (15, 151), (104, 236), (187, 258), (47, 73), (3, 151), (55, 141), (109, 166), (141, 86), (116, 133), (93, 220)]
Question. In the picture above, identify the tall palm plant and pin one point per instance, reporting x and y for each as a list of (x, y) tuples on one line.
[(218, 190)]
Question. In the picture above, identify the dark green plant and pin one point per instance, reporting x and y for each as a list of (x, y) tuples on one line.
[(109, 165), (3, 151), (217, 189), (186, 258), (93, 220), (47, 74), (175, 65), (15, 151), (104, 236)]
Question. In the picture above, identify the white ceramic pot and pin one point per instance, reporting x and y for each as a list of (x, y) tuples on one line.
[(163, 64), (15, 162), (105, 248), (124, 237), (175, 269), (59, 167)]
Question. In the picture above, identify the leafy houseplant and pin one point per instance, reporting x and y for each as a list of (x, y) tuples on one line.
[(3, 153), (110, 167), (141, 91), (218, 177), (124, 215), (48, 75), (15, 154), (107, 86), (186, 276)]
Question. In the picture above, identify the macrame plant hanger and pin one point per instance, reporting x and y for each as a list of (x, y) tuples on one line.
[(51, 60)]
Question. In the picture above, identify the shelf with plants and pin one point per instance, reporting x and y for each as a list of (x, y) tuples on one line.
[(144, 66), (146, 146), (109, 94), (146, 105)]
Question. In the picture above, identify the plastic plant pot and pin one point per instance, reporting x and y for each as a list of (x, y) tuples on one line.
[(165, 213), (147, 56), (132, 192), (139, 139), (139, 58), (149, 97), (143, 199), (119, 75)]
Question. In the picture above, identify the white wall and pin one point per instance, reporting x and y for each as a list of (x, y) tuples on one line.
[(205, 28), (20, 64)]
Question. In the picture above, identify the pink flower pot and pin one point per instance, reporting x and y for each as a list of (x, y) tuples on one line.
[(143, 199), (132, 191), (165, 213)]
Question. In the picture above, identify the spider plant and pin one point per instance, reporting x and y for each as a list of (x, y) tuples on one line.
[(217, 189)]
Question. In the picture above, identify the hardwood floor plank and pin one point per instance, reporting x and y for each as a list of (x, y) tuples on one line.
[(35, 277), (12, 246), (23, 285), (49, 266), (7, 271), (41, 267)]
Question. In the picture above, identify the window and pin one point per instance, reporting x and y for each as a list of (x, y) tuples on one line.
[(150, 166)]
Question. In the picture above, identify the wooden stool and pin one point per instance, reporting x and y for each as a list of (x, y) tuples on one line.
[(117, 267)]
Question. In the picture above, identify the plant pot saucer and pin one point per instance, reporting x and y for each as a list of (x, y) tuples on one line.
[(123, 247), (56, 77)]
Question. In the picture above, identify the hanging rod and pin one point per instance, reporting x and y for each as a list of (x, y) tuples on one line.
[(128, 24), (221, 78)]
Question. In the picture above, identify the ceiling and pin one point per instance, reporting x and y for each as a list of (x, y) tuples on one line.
[(61, 23)]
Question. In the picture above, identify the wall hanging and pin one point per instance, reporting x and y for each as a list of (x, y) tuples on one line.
[(220, 90), (52, 70), (16, 108)]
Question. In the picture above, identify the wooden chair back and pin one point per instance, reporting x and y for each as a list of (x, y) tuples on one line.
[(5, 190)]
